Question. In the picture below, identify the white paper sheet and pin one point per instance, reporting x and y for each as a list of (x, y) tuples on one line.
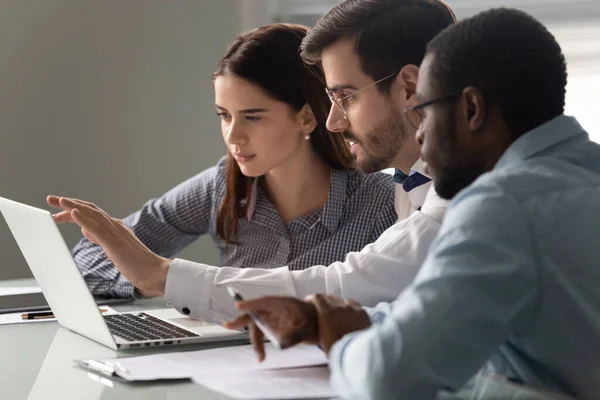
[(11, 291), (15, 318), (290, 383), (223, 360)]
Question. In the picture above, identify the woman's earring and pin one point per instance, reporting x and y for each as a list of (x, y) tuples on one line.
[(306, 137)]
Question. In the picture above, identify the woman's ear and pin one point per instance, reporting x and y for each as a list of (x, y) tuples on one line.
[(307, 120)]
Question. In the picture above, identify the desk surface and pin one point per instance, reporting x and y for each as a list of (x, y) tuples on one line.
[(36, 362)]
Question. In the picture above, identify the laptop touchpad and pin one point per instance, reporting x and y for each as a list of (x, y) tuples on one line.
[(194, 325)]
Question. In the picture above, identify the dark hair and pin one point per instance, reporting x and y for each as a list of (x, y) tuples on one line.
[(511, 58), (269, 57), (389, 34)]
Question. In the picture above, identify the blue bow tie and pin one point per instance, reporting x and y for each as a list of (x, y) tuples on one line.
[(409, 182)]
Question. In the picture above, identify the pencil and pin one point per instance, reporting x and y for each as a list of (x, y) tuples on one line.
[(43, 315)]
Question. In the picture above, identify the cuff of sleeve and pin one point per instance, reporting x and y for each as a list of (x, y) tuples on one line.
[(186, 289), (336, 363), (379, 313)]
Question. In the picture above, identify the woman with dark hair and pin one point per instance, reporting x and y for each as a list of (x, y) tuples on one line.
[(286, 193)]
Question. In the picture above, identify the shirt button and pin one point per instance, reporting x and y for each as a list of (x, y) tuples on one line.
[(185, 310)]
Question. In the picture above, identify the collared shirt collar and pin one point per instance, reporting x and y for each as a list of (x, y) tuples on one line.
[(540, 138), (252, 206), (334, 207), (415, 179), (420, 168), (399, 176)]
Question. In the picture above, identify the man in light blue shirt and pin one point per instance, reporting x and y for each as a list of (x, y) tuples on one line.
[(511, 284)]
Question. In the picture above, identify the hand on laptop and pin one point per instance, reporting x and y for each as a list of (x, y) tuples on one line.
[(319, 320), (146, 270)]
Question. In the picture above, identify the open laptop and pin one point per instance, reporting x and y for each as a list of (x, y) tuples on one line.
[(72, 303)]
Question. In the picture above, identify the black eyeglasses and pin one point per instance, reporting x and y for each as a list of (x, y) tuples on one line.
[(415, 114)]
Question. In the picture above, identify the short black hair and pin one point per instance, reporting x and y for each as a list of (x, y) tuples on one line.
[(389, 33), (511, 58)]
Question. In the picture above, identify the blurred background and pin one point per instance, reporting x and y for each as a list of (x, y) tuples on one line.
[(112, 101)]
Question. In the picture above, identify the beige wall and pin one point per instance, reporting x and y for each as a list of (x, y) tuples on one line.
[(107, 100)]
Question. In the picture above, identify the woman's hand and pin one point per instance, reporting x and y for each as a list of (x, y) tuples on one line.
[(146, 270)]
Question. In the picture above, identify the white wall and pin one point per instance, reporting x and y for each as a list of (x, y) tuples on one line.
[(107, 100), (576, 26)]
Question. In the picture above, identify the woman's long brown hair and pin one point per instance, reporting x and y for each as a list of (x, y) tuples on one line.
[(269, 57)]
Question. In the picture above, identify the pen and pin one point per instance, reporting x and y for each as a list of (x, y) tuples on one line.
[(101, 367), (257, 321), (107, 368), (43, 315), (38, 315)]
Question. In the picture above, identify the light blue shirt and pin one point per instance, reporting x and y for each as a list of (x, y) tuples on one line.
[(511, 283)]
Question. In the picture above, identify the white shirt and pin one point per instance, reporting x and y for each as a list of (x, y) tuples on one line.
[(377, 273), (409, 202)]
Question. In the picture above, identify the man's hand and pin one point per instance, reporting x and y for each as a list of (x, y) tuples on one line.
[(144, 269), (291, 320), (336, 318), (320, 320)]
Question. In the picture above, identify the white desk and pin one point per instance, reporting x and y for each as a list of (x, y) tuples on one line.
[(36, 363)]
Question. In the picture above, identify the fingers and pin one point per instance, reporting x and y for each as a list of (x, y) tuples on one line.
[(53, 201), (78, 212), (259, 304), (62, 217), (73, 214), (90, 228), (320, 302), (323, 302), (239, 322), (256, 336), (258, 342), (79, 201), (82, 219), (89, 215), (69, 204)]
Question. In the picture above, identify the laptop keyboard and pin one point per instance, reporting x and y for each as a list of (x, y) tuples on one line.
[(144, 327)]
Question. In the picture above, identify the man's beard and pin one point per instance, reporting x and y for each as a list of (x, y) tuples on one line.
[(457, 172), (455, 179), (382, 144)]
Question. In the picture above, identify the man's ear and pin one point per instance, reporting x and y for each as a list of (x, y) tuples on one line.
[(407, 79), (307, 120), (474, 108)]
